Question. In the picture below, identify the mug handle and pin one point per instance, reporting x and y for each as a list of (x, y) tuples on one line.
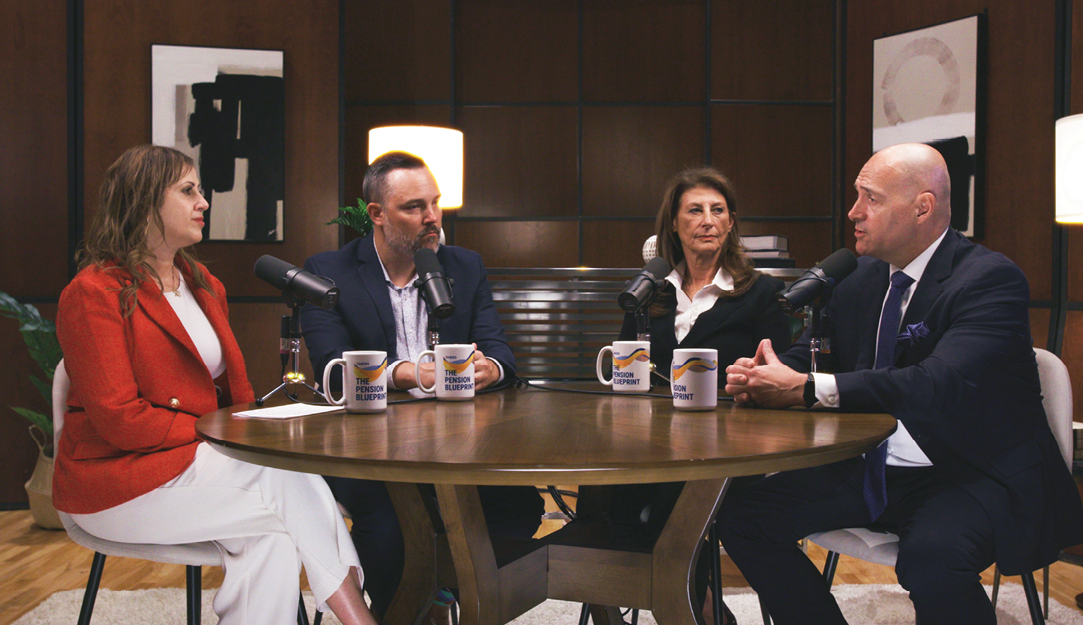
[(598, 365), (327, 382), (417, 371)]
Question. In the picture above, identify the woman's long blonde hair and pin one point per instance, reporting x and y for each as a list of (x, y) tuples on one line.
[(734, 259), (131, 197)]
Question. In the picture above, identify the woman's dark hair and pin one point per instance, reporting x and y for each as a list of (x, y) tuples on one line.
[(131, 197), (733, 260)]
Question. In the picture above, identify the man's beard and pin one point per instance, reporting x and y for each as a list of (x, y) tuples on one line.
[(400, 243)]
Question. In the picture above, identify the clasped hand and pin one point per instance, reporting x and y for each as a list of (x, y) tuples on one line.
[(486, 373), (764, 381)]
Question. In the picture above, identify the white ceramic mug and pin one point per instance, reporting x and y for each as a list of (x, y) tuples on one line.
[(364, 381), (454, 371), (694, 379), (631, 366)]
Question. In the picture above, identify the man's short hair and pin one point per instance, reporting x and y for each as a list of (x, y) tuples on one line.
[(375, 186)]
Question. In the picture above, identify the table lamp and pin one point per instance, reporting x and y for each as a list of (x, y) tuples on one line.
[(440, 148), (1069, 170)]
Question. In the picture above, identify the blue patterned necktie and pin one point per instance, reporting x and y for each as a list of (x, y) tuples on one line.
[(875, 487)]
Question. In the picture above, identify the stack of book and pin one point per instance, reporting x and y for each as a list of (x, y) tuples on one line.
[(1077, 440), (768, 250)]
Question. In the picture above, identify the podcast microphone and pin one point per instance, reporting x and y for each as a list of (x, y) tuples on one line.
[(642, 288), (827, 273), (297, 282), (434, 285)]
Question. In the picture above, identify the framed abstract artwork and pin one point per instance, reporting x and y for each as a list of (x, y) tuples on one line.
[(929, 87), (225, 108)]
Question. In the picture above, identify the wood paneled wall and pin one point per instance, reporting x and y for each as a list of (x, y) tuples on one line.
[(117, 36), (576, 114), (33, 205)]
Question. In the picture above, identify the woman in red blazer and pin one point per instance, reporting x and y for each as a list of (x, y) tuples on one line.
[(147, 344)]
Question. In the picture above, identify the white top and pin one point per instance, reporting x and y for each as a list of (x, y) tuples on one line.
[(689, 309), (198, 327), (902, 450)]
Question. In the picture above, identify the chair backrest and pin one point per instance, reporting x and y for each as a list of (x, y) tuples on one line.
[(1057, 400), (61, 384)]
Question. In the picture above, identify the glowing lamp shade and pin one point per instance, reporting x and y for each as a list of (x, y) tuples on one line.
[(440, 148), (1070, 170)]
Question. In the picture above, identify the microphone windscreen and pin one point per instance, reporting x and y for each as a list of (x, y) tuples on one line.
[(658, 268), (425, 262), (839, 265), (272, 270)]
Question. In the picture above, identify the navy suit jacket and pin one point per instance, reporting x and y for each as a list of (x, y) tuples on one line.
[(734, 326), (968, 392), (363, 318)]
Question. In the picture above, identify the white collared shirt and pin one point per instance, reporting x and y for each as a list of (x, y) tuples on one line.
[(902, 450), (689, 309)]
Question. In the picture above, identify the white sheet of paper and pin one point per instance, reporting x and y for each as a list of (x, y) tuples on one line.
[(286, 412)]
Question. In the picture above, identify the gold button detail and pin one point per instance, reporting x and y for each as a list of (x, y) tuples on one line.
[(174, 403)]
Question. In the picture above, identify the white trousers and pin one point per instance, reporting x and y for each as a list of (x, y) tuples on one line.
[(266, 522)]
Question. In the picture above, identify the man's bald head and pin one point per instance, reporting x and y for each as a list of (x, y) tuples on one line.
[(903, 204)]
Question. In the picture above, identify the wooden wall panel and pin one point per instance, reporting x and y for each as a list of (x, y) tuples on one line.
[(1039, 326), (395, 49), (520, 161), (643, 51), (629, 153), (34, 206), (748, 37), (33, 152), (1019, 147), (521, 243), (1077, 58), (361, 119), (615, 243), (517, 51), (1072, 355), (117, 105), (778, 156)]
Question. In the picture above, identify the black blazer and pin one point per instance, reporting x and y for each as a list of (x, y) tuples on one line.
[(734, 326), (968, 392), (363, 318)]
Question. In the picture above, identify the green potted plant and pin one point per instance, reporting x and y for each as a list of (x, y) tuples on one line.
[(354, 217), (39, 334)]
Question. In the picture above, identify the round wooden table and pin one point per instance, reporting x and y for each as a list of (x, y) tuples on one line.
[(534, 437)]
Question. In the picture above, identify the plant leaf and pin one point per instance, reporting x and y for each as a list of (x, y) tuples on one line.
[(36, 418)]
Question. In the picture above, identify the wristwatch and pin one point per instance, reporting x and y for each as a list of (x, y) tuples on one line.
[(810, 391)]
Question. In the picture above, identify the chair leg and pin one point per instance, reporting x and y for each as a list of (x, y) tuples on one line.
[(194, 580), (716, 572), (91, 592), (1031, 591), (765, 613), (302, 613), (316, 620), (584, 614), (996, 585), (1045, 591), (454, 613), (830, 564)]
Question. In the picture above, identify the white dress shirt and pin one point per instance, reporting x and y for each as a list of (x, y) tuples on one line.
[(689, 309), (902, 450)]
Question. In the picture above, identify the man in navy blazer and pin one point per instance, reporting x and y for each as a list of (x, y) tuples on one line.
[(973, 475), (381, 309)]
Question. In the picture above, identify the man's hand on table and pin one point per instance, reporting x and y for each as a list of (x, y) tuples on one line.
[(765, 381)]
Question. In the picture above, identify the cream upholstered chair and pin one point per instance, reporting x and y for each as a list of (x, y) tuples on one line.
[(883, 547), (193, 555)]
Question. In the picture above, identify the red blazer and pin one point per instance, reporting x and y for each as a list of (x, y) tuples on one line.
[(137, 387)]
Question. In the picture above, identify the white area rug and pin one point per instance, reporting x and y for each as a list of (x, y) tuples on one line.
[(863, 604)]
